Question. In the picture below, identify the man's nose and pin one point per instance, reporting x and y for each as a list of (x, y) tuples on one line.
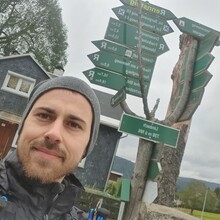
[(54, 132)]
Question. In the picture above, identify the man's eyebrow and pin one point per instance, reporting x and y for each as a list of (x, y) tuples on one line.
[(47, 109), (76, 118), (70, 116)]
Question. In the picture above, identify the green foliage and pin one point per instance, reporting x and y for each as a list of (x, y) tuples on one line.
[(198, 214), (34, 26), (217, 192), (195, 194), (114, 188)]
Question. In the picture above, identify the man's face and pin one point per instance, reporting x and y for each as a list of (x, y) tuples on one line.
[(55, 135)]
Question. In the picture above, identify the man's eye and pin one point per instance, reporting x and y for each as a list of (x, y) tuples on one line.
[(74, 125), (43, 116)]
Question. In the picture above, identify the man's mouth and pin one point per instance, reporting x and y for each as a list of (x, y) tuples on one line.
[(48, 153)]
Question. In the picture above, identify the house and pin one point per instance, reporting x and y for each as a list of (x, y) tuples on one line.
[(18, 75)]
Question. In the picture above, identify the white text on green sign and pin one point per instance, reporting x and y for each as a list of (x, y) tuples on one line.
[(150, 8), (147, 59), (126, 34), (149, 130), (120, 64), (194, 28), (148, 22), (115, 81)]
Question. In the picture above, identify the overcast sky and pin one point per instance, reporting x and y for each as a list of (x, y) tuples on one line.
[(87, 20)]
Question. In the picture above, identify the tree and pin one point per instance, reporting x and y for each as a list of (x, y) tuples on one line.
[(179, 115), (33, 26), (196, 195), (217, 192)]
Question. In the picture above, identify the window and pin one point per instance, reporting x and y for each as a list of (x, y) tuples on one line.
[(18, 84)]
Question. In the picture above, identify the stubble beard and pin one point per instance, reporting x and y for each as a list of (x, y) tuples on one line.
[(37, 168)]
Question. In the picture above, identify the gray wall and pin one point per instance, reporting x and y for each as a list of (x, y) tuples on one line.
[(23, 65), (98, 163)]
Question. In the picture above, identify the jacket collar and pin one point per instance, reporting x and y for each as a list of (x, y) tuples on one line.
[(60, 196)]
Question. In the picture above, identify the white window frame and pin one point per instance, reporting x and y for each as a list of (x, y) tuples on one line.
[(21, 79)]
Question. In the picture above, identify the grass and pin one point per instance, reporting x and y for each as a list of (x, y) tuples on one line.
[(206, 215)]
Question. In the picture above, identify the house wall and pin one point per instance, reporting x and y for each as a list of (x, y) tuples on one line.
[(23, 65), (98, 164)]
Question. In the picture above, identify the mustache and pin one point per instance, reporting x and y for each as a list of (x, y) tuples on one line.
[(49, 145)]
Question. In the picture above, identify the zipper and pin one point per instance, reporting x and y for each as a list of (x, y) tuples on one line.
[(48, 210)]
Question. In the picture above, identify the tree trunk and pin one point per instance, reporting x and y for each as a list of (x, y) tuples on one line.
[(138, 180), (170, 160)]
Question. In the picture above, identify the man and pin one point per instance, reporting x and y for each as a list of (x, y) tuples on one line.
[(59, 127)]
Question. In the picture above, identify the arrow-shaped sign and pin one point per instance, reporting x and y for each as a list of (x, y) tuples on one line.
[(118, 97), (149, 22), (150, 8), (115, 81), (120, 64), (193, 103), (147, 60), (105, 78), (203, 63), (199, 81), (126, 34), (206, 44), (194, 28)]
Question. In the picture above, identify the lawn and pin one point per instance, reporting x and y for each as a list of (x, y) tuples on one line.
[(206, 215)]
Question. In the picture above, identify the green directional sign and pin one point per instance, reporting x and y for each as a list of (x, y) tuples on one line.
[(115, 81), (154, 169), (147, 59), (120, 64), (132, 87), (149, 130), (148, 21), (118, 97), (126, 34), (203, 63), (193, 103), (199, 81), (150, 8), (105, 78), (206, 44), (195, 29)]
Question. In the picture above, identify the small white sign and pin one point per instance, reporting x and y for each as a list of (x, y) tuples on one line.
[(150, 192)]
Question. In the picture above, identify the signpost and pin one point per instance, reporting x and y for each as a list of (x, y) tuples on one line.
[(119, 97), (115, 81), (105, 78), (203, 63), (206, 44), (126, 34), (148, 21), (195, 29), (120, 65), (149, 130), (131, 54), (150, 8), (199, 81)]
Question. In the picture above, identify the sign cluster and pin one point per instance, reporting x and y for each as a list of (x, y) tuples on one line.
[(117, 67), (116, 64)]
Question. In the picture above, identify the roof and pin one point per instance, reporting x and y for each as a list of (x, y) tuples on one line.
[(25, 55)]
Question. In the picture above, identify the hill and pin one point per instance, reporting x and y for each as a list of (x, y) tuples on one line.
[(126, 167)]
